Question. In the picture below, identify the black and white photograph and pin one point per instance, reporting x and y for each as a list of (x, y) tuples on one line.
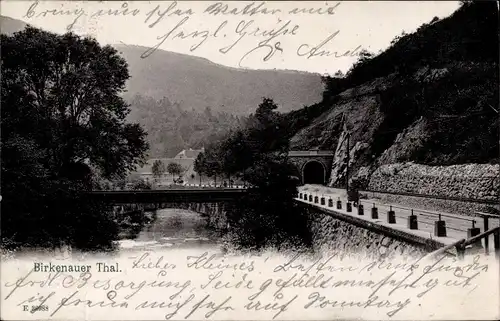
[(239, 160)]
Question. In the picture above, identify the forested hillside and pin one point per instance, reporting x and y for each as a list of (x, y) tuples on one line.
[(197, 83), (432, 97), (174, 129)]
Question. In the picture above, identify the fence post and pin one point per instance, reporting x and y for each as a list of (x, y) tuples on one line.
[(440, 227), (374, 212), (361, 210), (391, 216), (496, 242), (460, 251), (486, 239), (412, 221), (471, 232)]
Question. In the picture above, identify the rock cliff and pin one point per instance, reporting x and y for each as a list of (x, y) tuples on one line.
[(428, 103)]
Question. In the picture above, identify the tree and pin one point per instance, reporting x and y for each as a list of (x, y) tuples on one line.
[(267, 215), (174, 169), (339, 74), (68, 89), (140, 184), (266, 131), (63, 122), (120, 184), (199, 165), (212, 161), (364, 56), (265, 112), (158, 168)]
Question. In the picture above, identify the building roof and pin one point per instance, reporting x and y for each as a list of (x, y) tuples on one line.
[(186, 163)]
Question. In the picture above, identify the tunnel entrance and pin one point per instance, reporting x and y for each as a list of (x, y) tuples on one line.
[(314, 173)]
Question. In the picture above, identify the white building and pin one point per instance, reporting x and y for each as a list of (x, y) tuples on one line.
[(185, 158)]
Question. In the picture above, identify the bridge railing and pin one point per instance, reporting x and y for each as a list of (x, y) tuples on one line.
[(461, 245), (429, 218), (486, 217), (473, 231), (431, 214), (236, 186), (167, 195)]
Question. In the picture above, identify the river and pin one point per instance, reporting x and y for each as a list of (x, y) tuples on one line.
[(173, 228)]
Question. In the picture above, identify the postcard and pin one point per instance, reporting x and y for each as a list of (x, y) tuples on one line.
[(250, 160)]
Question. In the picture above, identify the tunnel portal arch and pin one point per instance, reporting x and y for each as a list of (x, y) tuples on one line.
[(314, 172)]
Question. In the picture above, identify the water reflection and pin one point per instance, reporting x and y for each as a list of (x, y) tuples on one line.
[(173, 228)]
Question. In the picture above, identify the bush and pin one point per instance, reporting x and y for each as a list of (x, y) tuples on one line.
[(268, 216)]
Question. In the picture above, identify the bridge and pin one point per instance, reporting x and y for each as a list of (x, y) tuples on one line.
[(336, 218), (192, 195), (313, 166)]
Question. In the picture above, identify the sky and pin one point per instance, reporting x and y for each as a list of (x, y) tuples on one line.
[(317, 36)]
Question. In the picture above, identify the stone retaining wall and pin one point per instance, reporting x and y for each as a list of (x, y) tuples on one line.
[(434, 205), (475, 181), (327, 231), (214, 213), (336, 234)]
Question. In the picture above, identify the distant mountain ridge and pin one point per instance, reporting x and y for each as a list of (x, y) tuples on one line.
[(196, 83), (9, 25)]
